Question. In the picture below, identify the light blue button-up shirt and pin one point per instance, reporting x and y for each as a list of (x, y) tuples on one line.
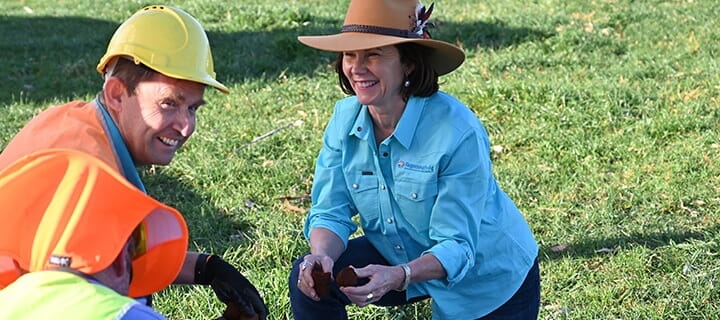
[(426, 189)]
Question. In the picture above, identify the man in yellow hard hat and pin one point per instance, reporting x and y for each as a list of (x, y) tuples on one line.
[(86, 237), (155, 71)]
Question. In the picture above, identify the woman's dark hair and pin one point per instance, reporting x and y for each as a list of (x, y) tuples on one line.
[(423, 79)]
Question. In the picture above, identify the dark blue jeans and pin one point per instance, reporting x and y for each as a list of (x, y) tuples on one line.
[(524, 305)]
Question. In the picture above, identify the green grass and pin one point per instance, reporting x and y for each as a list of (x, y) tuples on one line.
[(603, 116)]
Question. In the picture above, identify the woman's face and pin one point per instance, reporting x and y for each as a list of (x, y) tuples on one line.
[(376, 75)]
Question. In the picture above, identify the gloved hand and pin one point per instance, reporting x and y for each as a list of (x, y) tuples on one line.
[(230, 286), (235, 307)]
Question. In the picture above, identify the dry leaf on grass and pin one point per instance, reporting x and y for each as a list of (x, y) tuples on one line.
[(293, 208)]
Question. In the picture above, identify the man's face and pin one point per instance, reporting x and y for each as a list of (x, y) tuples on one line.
[(159, 117)]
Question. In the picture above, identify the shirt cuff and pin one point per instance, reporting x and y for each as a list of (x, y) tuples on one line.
[(338, 228), (455, 258)]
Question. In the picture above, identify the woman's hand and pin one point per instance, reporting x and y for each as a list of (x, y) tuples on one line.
[(305, 281), (382, 280)]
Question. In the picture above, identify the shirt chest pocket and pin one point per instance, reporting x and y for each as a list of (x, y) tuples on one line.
[(364, 192), (416, 200)]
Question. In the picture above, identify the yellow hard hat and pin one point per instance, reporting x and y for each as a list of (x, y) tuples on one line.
[(169, 41)]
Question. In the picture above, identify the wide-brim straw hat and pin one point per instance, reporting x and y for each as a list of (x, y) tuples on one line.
[(66, 209), (376, 23)]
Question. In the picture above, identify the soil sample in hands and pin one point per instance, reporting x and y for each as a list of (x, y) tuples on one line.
[(321, 280), (346, 277)]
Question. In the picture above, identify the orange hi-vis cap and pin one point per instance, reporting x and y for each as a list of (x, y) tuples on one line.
[(65, 208)]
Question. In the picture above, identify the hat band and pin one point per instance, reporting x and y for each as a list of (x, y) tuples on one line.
[(380, 30)]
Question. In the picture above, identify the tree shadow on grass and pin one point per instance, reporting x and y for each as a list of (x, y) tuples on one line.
[(50, 57), (487, 35), (252, 54), (591, 247), (54, 58), (211, 227)]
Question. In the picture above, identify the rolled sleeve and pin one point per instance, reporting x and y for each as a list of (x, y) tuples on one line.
[(455, 257), (457, 216), (332, 206)]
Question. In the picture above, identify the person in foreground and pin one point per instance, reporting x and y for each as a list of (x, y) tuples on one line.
[(155, 71), (414, 163), (86, 238)]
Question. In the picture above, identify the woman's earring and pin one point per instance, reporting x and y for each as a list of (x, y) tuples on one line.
[(407, 83)]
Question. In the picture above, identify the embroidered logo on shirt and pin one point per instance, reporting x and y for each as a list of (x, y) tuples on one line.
[(414, 167)]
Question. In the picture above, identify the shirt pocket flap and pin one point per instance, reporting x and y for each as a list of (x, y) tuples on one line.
[(414, 191), (362, 183)]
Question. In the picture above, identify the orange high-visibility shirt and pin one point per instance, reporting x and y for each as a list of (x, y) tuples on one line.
[(76, 125)]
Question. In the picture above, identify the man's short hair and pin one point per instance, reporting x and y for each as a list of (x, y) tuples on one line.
[(131, 73)]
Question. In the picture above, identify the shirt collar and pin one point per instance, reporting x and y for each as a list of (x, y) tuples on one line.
[(126, 162), (363, 124), (405, 129)]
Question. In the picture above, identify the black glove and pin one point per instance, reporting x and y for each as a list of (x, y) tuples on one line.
[(230, 286)]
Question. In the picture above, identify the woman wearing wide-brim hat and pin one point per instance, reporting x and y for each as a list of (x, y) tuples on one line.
[(414, 163)]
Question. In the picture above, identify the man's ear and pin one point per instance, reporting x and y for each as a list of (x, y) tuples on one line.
[(115, 92)]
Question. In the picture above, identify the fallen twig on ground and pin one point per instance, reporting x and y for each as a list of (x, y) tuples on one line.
[(269, 133)]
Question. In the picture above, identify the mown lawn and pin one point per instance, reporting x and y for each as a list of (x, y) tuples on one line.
[(603, 117)]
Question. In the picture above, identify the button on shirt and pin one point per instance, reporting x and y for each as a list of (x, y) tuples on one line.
[(426, 189)]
